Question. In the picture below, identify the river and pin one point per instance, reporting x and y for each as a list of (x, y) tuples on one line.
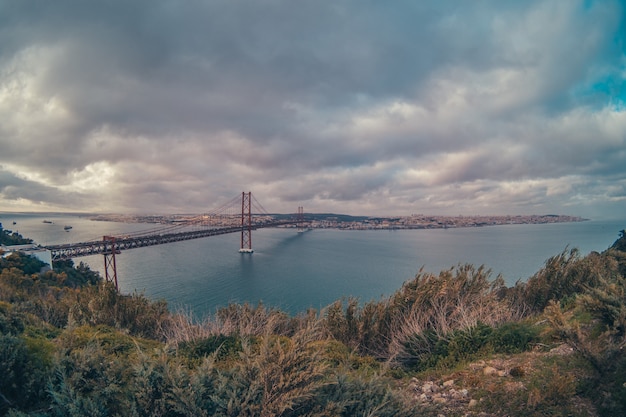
[(295, 271)]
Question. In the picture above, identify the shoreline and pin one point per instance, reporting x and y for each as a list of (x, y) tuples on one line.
[(345, 222)]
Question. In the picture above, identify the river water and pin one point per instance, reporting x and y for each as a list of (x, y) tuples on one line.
[(294, 271)]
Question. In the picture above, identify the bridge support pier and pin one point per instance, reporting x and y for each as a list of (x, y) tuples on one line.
[(110, 266), (246, 223)]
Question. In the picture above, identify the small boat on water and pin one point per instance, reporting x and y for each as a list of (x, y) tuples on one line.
[(14, 222), (47, 221), (67, 228)]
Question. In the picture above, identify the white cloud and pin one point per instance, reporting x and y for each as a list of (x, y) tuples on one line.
[(93, 178)]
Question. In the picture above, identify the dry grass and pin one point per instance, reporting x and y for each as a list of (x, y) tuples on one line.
[(457, 299), (236, 320)]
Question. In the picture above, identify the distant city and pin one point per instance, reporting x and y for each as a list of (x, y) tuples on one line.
[(341, 221)]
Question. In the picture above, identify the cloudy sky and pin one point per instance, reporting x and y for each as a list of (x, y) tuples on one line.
[(360, 107)]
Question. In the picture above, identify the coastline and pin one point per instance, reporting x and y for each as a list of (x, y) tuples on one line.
[(346, 222)]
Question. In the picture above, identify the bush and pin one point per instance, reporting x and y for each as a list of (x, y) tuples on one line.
[(225, 346), (160, 387), (429, 349), (515, 337), (11, 323), (102, 304), (349, 395), (595, 327), (24, 374), (620, 244), (90, 382), (562, 277), (9, 238), (26, 264), (76, 276)]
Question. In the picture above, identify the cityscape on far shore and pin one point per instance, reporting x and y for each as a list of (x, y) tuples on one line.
[(347, 222)]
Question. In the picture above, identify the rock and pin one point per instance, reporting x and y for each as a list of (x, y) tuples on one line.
[(517, 372), (458, 395), (562, 350), (513, 386), (473, 403), (427, 387), (448, 383), (439, 400), (501, 373), (489, 370)]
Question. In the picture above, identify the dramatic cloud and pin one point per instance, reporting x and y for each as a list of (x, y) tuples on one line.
[(359, 107)]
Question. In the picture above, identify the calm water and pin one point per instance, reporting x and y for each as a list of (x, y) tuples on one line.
[(295, 271)]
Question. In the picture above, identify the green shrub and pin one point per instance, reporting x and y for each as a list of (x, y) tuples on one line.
[(9, 238), (349, 395), (423, 351), (102, 304), (11, 323), (156, 384), (27, 264), (24, 372), (225, 346), (620, 244), (514, 337), (562, 277), (463, 344), (595, 327), (432, 350), (76, 276), (91, 381)]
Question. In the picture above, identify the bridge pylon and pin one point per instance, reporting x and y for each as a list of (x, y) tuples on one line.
[(300, 219), (246, 222), (110, 266)]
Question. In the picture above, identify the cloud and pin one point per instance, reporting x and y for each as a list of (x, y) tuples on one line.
[(16, 191), (355, 107)]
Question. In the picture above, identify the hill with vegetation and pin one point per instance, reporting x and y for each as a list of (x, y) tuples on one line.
[(457, 343), (9, 238)]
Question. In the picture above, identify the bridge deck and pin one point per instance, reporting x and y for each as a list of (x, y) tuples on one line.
[(103, 247)]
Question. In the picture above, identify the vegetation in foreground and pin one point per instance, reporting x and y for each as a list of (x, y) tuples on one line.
[(456, 343)]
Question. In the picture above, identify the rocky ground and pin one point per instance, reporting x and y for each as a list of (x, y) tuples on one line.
[(511, 380)]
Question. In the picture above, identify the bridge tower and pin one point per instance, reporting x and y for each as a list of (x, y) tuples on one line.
[(300, 218), (246, 223), (110, 267)]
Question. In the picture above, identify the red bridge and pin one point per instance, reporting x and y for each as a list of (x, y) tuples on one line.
[(236, 216)]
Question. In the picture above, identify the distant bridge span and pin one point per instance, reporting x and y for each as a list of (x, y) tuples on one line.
[(245, 221)]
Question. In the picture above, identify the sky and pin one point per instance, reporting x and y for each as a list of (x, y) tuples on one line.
[(361, 107)]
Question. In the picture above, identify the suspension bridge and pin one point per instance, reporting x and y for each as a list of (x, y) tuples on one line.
[(242, 214)]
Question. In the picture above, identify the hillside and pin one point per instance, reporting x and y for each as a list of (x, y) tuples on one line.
[(455, 343)]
